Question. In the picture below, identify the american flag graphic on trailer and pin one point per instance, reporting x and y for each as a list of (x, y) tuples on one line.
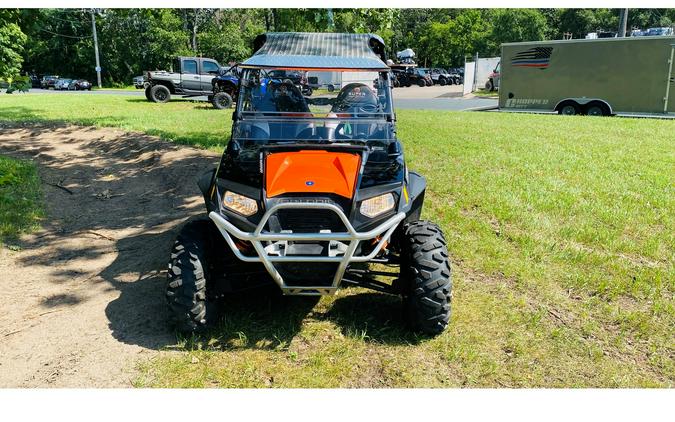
[(534, 57)]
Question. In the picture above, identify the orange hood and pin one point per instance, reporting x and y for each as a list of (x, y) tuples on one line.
[(312, 172)]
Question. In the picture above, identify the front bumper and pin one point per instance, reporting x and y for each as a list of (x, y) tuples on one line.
[(268, 257)]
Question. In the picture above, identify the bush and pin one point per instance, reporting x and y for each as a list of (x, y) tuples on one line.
[(17, 83)]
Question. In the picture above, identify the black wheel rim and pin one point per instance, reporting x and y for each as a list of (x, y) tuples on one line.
[(160, 95), (595, 111), (569, 110)]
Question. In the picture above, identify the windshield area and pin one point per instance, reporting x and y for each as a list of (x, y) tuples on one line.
[(297, 106)]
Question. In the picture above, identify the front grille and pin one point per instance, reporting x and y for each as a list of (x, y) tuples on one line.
[(309, 220)]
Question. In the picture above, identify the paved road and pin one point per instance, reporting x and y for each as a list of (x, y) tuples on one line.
[(455, 104), (408, 101)]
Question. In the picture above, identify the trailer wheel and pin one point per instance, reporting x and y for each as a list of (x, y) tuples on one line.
[(596, 108), (569, 109)]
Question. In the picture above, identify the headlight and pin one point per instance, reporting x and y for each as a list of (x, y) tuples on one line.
[(240, 203), (378, 205)]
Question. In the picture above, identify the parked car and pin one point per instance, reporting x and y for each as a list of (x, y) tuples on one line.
[(441, 76), (190, 77), (139, 82), (48, 81), (400, 78), (658, 31), (80, 85), (35, 80), (492, 83), (62, 84), (458, 74), (419, 76), (299, 79), (408, 74)]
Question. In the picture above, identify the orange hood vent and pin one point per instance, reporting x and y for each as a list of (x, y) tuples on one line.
[(310, 171)]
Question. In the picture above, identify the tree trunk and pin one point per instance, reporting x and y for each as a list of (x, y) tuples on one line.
[(195, 24)]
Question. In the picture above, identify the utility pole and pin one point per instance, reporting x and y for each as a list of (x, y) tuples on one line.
[(623, 22), (98, 63)]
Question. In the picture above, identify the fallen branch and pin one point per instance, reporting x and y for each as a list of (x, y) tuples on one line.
[(19, 330), (100, 235), (58, 185), (557, 316)]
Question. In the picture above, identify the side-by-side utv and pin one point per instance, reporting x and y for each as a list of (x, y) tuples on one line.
[(312, 194)]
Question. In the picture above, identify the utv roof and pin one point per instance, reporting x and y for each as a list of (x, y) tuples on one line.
[(320, 51)]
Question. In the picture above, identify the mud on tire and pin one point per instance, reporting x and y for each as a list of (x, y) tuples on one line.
[(426, 276), (190, 309)]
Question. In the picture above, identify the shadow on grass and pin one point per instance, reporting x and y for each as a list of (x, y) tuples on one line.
[(11, 115), (373, 317), (265, 319), (257, 319)]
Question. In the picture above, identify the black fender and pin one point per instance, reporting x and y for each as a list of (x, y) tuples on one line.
[(206, 180), (170, 85), (416, 185)]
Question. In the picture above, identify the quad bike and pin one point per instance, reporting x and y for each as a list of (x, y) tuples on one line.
[(312, 194)]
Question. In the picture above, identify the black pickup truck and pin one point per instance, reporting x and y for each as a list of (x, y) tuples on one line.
[(190, 77)]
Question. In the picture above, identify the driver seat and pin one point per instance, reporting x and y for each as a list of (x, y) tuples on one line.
[(350, 102)]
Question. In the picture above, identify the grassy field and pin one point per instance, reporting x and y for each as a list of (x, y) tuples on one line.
[(20, 206), (485, 93), (181, 121), (561, 235)]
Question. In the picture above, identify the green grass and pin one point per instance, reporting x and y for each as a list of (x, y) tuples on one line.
[(181, 121), (125, 88), (561, 235), (20, 199), (485, 93)]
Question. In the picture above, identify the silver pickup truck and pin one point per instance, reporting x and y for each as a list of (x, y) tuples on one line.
[(190, 77)]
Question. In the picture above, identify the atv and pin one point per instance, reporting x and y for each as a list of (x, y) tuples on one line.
[(312, 194), (225, 88)]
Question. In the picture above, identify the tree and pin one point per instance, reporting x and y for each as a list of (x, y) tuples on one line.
[(229, 36), (578, 22), (12, 41), (60, 42), (447, 44), (515, 25)]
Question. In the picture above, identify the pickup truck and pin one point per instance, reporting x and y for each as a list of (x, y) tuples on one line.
[(190, 77)]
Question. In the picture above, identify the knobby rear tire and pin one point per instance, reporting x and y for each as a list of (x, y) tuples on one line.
[(222, 100), (160, 94)]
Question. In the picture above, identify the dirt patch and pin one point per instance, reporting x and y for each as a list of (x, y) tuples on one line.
[(82, 300)]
